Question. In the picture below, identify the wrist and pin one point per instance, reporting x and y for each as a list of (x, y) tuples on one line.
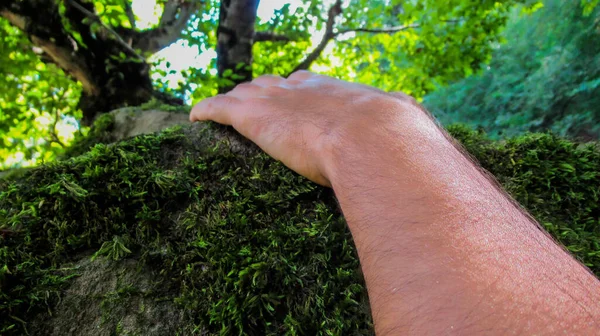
[(393, 135)]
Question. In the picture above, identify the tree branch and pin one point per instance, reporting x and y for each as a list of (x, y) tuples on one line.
[(377, 30), (55, 137), (55, 43), (95, 18), (109, 82), (269, 36), (333, 12), (53, 133), (174, 19), (169, 12)]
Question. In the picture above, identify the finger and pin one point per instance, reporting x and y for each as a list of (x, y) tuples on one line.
[(291, 83), (220, 108), (301, 75), (268, 80), (245, 90)]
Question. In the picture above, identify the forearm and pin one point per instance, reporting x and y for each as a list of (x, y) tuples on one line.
[(442, 248)]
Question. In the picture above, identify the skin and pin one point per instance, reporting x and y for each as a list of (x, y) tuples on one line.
[(443, 249)]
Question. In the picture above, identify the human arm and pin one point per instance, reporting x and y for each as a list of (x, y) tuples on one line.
[(443, 249)]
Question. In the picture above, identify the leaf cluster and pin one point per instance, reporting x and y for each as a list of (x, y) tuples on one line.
[(546, 76)]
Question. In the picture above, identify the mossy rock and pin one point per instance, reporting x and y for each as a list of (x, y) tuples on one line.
[(226, 240), (107, 297), (125, 123)]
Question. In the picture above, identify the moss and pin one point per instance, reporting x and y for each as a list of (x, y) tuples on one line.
[(100, 132), (556, 180), (155, 104), (112, 298), (105, 130), (247, 245)]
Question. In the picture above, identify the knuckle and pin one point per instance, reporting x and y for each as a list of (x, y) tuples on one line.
[(301, 74), (412, 101), (257, 102), (276, 90), (405, 97), (211, 103), (245, 86), (293, 82), (221, 100), (268, 80), (269, 77)]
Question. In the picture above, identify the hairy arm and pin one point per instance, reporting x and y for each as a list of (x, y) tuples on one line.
[(442, 247)]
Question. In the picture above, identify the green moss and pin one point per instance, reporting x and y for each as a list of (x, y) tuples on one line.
[(100, 132), (264, 254), (556, 180), (155, 104), (249, 246)]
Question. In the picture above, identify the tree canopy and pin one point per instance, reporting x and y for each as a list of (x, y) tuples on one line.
[(67, 61), (546, 76)]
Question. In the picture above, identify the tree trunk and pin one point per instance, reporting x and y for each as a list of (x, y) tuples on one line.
[(235, 37)]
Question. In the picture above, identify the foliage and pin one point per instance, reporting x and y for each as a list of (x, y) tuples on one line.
[(547, 75), (35, 101), (296, 23), (451, 40), (589, 5), (249, 246)]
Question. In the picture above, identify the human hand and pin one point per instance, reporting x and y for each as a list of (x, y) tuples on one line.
[(303, 120)]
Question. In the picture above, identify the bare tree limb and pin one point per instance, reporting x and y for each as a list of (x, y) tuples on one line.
[(55, 137), (174, 19), (107, 28), (61, 51), (333, 12), (85, 54), (268, 36), (377, 30), (53, 133)]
